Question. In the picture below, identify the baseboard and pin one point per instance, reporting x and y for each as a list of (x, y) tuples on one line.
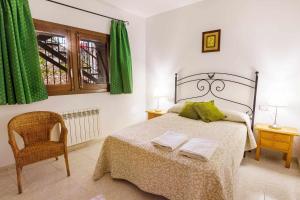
[(70, 149), (7, 167), (84, 144)]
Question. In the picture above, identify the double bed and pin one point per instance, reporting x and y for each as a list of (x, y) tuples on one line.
[(128, 154)]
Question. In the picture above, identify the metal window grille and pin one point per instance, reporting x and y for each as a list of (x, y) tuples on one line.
[(92, 62), (53, 58)]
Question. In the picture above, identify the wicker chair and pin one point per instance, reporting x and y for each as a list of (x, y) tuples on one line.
[(35, 128)]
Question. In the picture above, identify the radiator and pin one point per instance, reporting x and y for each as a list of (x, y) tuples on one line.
[(83, 125)]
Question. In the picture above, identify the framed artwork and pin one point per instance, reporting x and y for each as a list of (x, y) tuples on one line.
[(211, 41)]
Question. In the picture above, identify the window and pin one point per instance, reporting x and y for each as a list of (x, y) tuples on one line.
[(92, 62), (72, 60), (54, 60)]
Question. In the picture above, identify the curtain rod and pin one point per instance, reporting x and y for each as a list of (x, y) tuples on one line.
[(76, 8)]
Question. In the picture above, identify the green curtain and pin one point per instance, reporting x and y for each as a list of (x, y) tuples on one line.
[(20, 74), (120, 59)]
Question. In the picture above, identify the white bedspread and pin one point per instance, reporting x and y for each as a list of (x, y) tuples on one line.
[(129, 154)]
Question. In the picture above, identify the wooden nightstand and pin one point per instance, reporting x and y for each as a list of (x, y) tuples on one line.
[(276, 139), (152, 113)]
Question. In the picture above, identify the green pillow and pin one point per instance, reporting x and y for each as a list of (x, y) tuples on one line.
[(188, 111), (208, 112)]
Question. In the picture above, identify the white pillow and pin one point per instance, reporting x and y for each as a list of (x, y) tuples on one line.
[(235, 116), (176, 108), (231, 115)]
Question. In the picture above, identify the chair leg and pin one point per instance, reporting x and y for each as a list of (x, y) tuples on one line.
[(56, 158), (19, 170), (67, 163)]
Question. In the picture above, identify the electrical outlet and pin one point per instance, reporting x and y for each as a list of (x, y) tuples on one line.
[(263, 108)]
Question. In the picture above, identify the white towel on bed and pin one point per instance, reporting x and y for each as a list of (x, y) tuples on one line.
[(169, 140), (199, 148)]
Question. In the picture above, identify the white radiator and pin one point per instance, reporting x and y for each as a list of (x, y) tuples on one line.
[(83, 125)]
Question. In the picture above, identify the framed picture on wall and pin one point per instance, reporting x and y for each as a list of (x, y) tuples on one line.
[(211, 41)]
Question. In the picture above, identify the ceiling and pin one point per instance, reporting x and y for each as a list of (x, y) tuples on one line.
[(147, 8)]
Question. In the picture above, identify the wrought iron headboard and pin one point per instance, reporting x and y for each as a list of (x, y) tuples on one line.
[(211, 78)]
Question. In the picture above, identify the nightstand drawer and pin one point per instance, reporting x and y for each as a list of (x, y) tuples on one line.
[(281, 146), (153, 115), (275, 137)]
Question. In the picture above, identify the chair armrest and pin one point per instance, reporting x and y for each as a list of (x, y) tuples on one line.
[(12, 142), (63, 134), (64, 130)]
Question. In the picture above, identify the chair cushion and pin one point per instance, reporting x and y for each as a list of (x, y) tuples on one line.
[(40, 151)]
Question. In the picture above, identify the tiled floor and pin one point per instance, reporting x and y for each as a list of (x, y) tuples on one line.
[(267, 179)]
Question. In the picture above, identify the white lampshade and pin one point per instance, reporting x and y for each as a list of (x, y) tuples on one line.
[(159, 93)]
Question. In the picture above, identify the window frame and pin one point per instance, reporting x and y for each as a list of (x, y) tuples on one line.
[(95, 38), (73, 36)]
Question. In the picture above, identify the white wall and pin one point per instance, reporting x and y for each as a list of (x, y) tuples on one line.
[(261, 35), (116, 111)]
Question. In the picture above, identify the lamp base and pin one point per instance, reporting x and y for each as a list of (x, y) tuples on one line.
[(275, 126)]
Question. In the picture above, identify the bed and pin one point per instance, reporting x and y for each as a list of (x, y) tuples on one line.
[(128, 154)]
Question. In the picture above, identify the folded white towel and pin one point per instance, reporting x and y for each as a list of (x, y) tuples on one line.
[(169, 140), (199, 148)]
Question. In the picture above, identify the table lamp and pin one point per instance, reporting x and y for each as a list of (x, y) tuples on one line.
[(158, 99), (275, 125), (158, 96)]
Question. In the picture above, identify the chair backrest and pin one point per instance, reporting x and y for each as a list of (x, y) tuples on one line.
[(34, 127)]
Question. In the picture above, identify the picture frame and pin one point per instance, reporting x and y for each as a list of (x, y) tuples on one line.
[(211, 41)]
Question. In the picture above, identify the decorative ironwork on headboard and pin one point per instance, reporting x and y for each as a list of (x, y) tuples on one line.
[(215, 85)]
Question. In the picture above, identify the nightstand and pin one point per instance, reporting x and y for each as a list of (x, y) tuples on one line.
[(152, 113), (276, 139)]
